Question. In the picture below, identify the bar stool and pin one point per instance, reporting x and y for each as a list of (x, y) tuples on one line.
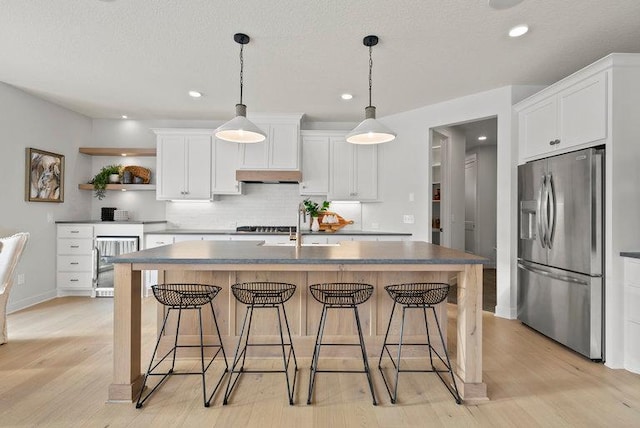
[(184, 297), (417, 296), (339, 295), (260, 295)]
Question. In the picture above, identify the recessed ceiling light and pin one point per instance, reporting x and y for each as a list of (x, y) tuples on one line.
[(346, 96), (195, 94), (482, 138), (503, 4), (518, 30), (124, 116)]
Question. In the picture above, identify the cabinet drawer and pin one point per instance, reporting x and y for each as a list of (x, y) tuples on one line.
[(75, 231), (75, 263), (75, 246), (632, 304), (74, 280), (632, 272)]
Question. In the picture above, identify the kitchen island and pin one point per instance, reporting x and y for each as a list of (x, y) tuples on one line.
[(378, 263)]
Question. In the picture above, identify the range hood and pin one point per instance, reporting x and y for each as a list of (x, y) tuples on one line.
[(268, 176)]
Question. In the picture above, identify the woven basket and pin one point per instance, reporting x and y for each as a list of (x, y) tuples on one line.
[(138, 171)]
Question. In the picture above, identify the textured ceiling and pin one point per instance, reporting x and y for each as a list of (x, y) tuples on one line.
[(140, 57)]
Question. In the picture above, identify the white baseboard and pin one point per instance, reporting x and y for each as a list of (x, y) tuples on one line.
[(30, 301), (506, 312)]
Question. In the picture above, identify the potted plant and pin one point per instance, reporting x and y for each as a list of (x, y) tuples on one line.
[(101, 179), (314, 208)]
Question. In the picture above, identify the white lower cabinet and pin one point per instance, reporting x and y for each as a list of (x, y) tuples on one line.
[(153, 241), (632, 314), (74, 260)]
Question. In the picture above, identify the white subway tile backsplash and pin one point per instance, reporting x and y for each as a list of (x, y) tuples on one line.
[(260, 204)]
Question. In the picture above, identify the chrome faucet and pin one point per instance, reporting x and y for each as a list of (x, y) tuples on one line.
[(302, 211)]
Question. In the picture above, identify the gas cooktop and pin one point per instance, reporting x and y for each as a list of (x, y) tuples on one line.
[(266, 229)]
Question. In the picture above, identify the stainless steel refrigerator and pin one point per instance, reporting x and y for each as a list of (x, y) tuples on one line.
[(560, 251)]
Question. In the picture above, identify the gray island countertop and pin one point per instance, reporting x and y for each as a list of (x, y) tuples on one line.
[(254, 252), (303, 232)]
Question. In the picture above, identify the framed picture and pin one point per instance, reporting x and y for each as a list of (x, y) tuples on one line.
[(44, 176)]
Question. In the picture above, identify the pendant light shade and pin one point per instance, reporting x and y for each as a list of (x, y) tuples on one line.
[(240, 129), (370, 131)]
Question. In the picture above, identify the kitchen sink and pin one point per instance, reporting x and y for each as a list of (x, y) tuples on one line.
[(293, 244)]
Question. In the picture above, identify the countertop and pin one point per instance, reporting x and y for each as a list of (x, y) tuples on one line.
[(253, 252), (110, 222), (303, 232)]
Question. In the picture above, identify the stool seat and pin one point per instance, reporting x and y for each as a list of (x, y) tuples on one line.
[(263, 293), (425, 293), (185, 295), (341, 293)]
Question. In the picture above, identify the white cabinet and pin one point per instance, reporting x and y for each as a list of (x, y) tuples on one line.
[(315, 162), (280, 150), (75, 258), (153, 241), (570, 115), (225, 162), (183, 164), (632, 314), (353, 171)]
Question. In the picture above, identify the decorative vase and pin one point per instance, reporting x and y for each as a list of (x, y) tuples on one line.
[(114, 178), (315, 226)]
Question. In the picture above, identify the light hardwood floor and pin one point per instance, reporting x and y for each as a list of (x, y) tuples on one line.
[(56, 368)]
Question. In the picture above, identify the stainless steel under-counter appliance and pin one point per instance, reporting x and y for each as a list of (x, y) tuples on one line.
[(105, 247), (560, 251)]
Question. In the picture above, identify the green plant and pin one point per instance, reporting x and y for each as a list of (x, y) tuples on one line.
[(101, 179), (313, 208)]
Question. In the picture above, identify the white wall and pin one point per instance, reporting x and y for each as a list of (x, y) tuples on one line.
[(28, 121), (403, 170)]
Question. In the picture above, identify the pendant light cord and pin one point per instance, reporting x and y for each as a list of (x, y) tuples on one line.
[(241, 71), (370, 68)]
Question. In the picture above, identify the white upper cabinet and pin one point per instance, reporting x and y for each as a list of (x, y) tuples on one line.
[(225, 161), (280, 150), (315, 162), (570, 115), (183, 164), (353, 171)]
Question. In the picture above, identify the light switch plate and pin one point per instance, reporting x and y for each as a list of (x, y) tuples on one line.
[(408, 219)]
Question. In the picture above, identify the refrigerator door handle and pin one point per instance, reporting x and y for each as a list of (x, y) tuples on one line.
[(552, 211), (548, 274), (539, 216)]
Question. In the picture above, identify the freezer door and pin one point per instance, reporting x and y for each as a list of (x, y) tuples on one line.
[(574, 214), (562, 305), (531, 224)]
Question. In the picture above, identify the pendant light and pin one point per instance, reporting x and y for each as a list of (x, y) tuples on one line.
[(240, 129), (370, 131)]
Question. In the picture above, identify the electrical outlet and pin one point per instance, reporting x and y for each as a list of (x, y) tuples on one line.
[(20, 278), (408, 219), (49, 217)]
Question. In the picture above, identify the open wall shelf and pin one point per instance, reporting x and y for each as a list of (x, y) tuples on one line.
[(120, 187), (117, 151)]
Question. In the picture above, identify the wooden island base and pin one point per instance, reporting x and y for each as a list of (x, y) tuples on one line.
[(303, 313)]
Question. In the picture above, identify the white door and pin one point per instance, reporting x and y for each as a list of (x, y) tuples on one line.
[(470, 204)]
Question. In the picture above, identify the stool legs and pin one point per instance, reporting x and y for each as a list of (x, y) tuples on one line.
[(241, 351), (203, 368), (393, 394), (318, 345)]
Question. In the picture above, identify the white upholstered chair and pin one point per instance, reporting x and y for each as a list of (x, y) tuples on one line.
[(10, 251)]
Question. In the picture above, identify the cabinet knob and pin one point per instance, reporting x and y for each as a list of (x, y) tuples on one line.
[(554, 142)]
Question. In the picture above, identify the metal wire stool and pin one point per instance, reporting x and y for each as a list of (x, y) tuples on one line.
[(417, 296), (260, 295), (184, 297), (339, 295)]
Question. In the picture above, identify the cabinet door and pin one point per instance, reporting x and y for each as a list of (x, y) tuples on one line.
[(198, 171), (583, 112), (224, 162), (315, 165), (284, 146), (256, 155), (539, 128), (171, 167), (365, 186), (341, 170)]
